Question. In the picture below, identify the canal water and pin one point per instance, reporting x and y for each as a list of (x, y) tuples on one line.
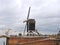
[(2, 41)]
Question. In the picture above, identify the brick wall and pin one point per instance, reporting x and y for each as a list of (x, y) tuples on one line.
[(31, 41)]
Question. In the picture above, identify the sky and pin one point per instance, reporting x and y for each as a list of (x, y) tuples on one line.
[(45, 12)]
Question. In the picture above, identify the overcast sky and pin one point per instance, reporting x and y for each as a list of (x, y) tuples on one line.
[(45, 12)]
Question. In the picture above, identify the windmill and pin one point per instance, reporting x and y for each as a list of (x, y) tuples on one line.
[(30, 25)]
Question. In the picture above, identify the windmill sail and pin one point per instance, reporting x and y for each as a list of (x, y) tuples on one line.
[(26, 26), (28, 18)]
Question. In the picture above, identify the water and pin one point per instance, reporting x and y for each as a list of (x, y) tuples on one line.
[(2, 41)]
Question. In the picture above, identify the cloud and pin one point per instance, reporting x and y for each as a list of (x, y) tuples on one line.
[(45, 12)]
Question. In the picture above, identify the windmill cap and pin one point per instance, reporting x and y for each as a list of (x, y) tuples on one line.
[(31, 20)]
